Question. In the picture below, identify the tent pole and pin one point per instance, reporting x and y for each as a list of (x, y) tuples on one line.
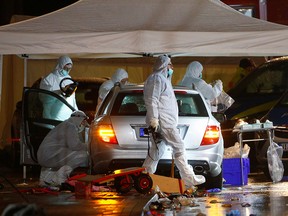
[(25, 84), (1, 71), (25, 71)]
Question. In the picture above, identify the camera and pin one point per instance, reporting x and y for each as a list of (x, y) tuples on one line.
[(69, 89), (157, 137)]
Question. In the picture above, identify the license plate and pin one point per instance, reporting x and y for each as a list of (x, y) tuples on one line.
[(142, 133), (284, 146)]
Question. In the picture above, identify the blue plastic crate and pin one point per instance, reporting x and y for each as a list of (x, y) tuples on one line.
[(232, 171)]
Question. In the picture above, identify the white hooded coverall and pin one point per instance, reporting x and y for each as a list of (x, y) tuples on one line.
[(63, 147), (104, 89), (161, 104), (192, 79), (108, 85), (52, 108)]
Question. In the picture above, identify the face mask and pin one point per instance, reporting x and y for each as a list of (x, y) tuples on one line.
[(170, 72), (200, 76), (81, 128), (123, 82), (64, 72)]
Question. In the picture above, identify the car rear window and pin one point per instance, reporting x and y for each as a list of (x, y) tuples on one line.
[(132, 103)]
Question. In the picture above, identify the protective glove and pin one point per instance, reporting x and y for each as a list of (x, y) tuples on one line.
[(219, 84), (154, 123)]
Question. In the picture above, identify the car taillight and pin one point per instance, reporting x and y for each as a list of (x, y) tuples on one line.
[(211, 135), (106, 134)]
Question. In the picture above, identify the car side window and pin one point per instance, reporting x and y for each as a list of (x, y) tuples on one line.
[(35, 109), (43, 105), (270, 80), (104, 106), (53, 108), (284, 100)]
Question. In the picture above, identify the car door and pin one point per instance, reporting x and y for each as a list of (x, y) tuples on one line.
[(36, 124)]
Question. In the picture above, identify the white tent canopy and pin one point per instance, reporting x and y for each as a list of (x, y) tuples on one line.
[(179, 27)]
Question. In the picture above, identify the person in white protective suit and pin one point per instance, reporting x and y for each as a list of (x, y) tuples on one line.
[(193, 79), (162, 116), (120, 75), (53, 108), (63, 150)]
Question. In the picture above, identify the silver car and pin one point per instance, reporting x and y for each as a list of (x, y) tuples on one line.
[(118, 138)]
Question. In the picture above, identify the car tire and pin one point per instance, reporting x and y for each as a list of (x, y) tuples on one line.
[(214, 182)]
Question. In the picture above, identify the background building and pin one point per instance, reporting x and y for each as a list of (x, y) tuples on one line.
[(270, 10)]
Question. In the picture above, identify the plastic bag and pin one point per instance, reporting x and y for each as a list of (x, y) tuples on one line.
[(223, 102), (275, 165), (234, 151)]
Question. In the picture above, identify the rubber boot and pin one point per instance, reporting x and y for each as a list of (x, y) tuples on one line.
[(46, 176), (61, 175)]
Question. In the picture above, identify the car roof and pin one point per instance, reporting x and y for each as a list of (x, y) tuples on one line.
[(91, 79), (141, 86), (274, 61), (84, 80), (279, 59)]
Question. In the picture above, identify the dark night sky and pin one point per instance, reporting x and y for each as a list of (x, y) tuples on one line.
[(29, 7)]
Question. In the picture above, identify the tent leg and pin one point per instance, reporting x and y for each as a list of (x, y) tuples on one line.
[(24, 174)]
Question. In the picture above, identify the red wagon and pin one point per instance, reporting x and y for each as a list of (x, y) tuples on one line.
[(124, 180)]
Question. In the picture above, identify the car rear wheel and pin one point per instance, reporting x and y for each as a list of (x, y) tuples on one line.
[(214, 182)]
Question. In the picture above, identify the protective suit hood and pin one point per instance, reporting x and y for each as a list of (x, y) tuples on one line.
[(193, 71), (161, 64), (77, 117), (62, 61), (119, 75)]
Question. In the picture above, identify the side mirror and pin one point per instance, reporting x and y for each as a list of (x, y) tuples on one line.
[(220, 117)]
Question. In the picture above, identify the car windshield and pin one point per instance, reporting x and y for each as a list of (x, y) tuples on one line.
[(132, 103)]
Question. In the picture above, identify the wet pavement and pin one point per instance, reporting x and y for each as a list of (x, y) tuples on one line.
[(258, 197), (52, 202), (14, 192)]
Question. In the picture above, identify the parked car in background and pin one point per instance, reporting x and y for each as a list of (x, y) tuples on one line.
[(259, 90), (87, 94), (118, 138), (86, 97)]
